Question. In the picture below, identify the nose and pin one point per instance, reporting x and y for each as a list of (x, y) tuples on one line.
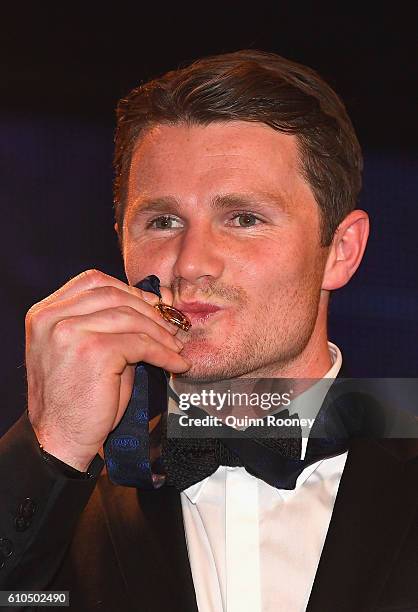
[(200, 254)]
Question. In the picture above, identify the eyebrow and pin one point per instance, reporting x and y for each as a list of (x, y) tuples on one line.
[(164, 204), (233, 200)]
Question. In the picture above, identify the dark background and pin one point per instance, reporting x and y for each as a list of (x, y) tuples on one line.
[(63, 68)]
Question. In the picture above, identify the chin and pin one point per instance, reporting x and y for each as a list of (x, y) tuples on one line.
[(207, 362), (209, 366)]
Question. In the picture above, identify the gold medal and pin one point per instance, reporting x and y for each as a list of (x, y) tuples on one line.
[(172, 315)]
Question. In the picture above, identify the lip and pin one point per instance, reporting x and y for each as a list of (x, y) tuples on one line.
[(196, 307), (197, 311)]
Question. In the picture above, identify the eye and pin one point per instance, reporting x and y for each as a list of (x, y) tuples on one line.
[(246, 219), (163, 222)]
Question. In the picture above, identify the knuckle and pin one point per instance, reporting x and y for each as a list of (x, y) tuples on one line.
[(63, 331), (147, 296), (143, 337), (93, 276), (124, 309), (35, 318), (29, 318), (110, 294), (90, 344)]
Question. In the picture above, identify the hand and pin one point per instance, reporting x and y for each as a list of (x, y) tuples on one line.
[(82, 343)]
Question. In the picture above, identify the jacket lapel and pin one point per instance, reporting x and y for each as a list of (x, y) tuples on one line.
[(376, 491), (148, 537)]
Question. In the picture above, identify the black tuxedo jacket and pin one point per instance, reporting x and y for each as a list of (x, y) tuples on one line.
[(118, 549)]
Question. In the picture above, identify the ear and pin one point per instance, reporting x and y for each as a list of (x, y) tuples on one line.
[(347, 249), (116, 228)]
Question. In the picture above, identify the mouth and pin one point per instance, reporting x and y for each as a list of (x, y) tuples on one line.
[(198, 312)]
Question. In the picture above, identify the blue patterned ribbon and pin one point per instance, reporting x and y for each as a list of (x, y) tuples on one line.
[(131, 452)]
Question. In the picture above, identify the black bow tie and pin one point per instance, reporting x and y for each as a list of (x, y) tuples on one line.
[(188, 460)]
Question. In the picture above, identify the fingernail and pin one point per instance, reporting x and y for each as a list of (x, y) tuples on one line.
[(179, 344)]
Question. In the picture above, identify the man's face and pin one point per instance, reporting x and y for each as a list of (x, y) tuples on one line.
[(222, 215)]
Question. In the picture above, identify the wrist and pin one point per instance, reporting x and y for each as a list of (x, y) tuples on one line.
[(71, 466), (62, 451), (92, 470)]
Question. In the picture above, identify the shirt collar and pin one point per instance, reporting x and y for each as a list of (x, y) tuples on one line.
[(308, 403)]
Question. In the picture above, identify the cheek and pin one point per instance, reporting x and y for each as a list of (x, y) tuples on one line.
[(140, 260), (272, 264)]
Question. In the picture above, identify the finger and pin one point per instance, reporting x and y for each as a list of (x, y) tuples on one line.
[(119, 320), (167, 295), (94, 300), (139, 347), (91, 279)]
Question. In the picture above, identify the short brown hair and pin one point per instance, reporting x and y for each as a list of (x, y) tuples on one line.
[(254, 86)]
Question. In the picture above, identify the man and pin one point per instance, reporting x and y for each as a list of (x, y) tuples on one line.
[(236, 184)]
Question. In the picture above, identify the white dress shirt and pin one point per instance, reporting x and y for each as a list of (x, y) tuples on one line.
[(255, 548)]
